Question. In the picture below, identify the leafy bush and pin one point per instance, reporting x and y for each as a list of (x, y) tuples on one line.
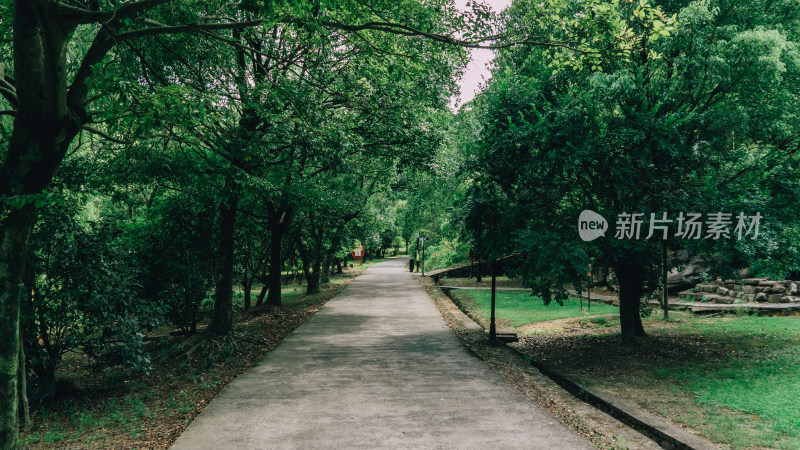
[(445, 253), (84, 295), (176, 252)]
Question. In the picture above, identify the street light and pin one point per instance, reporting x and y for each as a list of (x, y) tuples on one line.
[(422, 240), (492, 329)]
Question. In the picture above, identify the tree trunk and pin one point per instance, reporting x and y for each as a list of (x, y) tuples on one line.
[(14, 234), (311, 267), (278, 221), (262, 294), (45, 371), (631, 276), (247, 294), (314, 279), (222, 322), (664, 290), (338, 263), (274, 278), (247, 285), (325, 275), (44, 127), (23, 385)]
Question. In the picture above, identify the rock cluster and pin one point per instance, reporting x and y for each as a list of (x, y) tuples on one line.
[(747, 290)]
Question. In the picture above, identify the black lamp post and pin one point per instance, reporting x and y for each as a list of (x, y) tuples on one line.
[(423, 256), (492, 328)]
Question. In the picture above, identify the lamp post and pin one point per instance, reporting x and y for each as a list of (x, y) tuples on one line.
[(492, 328), (416, 252), (423, 256), (589, 287)]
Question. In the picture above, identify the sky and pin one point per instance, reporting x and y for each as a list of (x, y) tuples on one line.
[(477, 71)]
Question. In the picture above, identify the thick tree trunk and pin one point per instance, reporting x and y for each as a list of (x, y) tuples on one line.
[(338, 263), (631, 276), (325, 275), (43, 130), (14, 233), (313, 278), (23, 385), (222, 322)]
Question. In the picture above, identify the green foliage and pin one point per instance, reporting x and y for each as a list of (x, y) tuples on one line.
[(84, 295), (173, 247), (693, 118)]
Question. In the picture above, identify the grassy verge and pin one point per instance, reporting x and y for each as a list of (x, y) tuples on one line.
[(733, 379), (516, 309), (118, 409)]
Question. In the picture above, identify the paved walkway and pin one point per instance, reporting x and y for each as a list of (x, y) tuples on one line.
[(375, 368)]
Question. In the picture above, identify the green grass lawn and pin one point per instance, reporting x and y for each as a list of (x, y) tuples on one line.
[(518, 308), (761, 377)]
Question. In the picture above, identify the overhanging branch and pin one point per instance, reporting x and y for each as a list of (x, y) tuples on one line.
[(73, 15), (105, 135), (405, 30)]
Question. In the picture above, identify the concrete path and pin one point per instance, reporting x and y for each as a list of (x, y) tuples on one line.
[(375, 368)]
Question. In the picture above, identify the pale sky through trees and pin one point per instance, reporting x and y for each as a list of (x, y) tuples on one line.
[(476, 70)]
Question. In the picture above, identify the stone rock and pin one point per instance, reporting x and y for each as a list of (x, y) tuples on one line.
[(747, 289), (774, 298), (787, 299), (737, 287), (722, 291), (758, 288), (752, 281), (765, 282), (688, 272), (761, 297), (777, 288), (682, 255), (792, 288), (749, 297), (710, 288), (723, 299)]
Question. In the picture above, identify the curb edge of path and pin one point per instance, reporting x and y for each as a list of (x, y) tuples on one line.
[(662, 433)]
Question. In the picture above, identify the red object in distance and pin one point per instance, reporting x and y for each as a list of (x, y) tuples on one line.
[(358, 255)]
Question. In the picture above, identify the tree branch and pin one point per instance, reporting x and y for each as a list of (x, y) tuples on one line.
[(73, 15), (8, 91), (191, 27), (405, 30), (104, 135)]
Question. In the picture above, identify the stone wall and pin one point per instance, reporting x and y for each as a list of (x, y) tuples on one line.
[(747, 290)]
